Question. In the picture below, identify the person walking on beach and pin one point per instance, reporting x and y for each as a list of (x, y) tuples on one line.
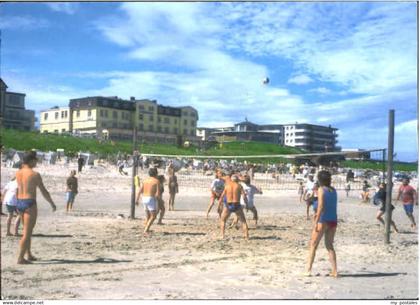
[(300, 191), (308, 194), (28, 181), (149, 191), (365, 191), (80, 163), (408, 195), (347, 189), (380, 199), (233, 192), (161, 203), (216, 190), (9, 199), (173, 189), (71, 191), (325, 222)]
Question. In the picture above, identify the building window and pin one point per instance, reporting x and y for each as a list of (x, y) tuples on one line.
[(106, 113), (185, 122), (159, 119), (45, 116), (166, 129), (166, 120), (141, 126), (63, 130), (56, 116), (78, 113), (151, 108), (114, 115), (185, 132), (65, 113), (89, 112), (150, 127), (192, 132), (56, 130), (114, 125), (62, 114), (192, 114), (140, 116), (151, 118), (141, 107), (159, 129), (176, 121), (175, 130), (192, 124)]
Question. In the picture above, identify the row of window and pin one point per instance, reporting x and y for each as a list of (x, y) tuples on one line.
[(103, 113), (64, 114), (164, 129)]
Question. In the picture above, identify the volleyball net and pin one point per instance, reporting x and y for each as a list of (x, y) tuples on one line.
[(271, 172)]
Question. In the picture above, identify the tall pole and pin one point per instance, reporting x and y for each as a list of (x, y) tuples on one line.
[(383, 164), (133, 174), (389, 176)]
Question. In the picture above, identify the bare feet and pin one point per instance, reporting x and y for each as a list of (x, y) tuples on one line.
[(307, 273), (32, 258), (24, 262), (333, 274)]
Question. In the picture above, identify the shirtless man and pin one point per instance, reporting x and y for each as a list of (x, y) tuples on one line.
[(28, 180), (150, 193), (233, 192)]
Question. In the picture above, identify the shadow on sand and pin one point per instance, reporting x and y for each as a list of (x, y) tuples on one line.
[(52, 235), (372, 274), (265, 237), (94, 261), (184, 233)]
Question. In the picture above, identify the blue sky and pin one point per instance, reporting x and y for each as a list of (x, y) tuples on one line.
[(339, 63)]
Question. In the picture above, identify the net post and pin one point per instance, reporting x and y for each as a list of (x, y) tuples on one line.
[(389, 176), (133, 174)]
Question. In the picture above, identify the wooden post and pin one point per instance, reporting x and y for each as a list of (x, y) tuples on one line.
[(389, 176), (133, 174)]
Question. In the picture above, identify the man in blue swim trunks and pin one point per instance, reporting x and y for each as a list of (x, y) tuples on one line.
[(233, 192), (28, 181)]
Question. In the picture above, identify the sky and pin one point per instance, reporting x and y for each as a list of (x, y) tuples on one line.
[(343, 64)]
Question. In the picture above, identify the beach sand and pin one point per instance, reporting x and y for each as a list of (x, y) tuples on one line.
[(96, 252)]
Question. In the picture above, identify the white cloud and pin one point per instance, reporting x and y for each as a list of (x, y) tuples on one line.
[(321, 90), (301, 79), (355, 45), (63, 7), (22, 23)]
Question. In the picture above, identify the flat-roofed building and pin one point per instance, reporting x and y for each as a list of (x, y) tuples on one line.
[(55, 120), (14, 113), (314, 138)]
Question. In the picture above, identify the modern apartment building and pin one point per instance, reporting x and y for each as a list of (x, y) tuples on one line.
[(313, 138), (12, 110), (115, 118)]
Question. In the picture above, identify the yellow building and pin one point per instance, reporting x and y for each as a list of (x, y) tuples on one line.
[(106, 117), (55, 120), (165, 124), (114, 118)]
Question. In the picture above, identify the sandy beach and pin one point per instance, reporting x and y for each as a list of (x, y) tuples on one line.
[(96, 252)]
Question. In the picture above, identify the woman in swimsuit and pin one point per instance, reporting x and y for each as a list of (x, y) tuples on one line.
[(325, 222)]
